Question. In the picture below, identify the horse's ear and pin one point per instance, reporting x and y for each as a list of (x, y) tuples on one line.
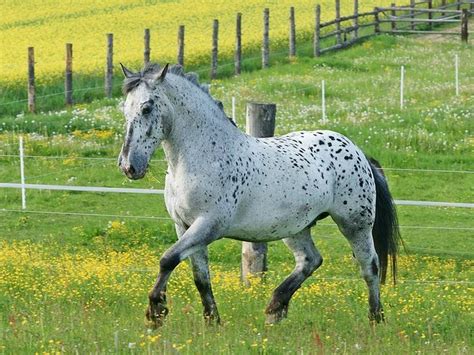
[(162, 74), (126, 72)]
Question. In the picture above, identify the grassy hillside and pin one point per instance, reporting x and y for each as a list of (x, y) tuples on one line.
[(48, 25), (79, 283)]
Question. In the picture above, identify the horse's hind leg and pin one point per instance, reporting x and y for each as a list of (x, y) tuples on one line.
[(362, 244), (307, 259)]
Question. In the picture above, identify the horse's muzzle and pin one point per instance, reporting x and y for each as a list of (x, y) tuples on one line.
[(131, 171)]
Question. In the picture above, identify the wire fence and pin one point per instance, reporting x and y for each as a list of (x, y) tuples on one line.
[(65, 157), (138, 217), (86, 214), (55, 94), (409, 247), (23, 186)]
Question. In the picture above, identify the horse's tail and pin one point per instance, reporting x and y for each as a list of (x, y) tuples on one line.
[(385, 232)]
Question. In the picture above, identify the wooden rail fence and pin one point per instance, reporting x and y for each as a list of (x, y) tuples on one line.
[(420, 16), (341, 32)]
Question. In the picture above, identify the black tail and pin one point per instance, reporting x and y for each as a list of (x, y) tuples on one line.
[(386, 233)]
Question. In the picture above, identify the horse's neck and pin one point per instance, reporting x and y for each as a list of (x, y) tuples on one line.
[(199, 130)]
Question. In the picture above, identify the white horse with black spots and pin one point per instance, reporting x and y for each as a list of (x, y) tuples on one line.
[(224, 183)]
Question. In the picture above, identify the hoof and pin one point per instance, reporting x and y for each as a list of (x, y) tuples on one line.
[(276, 315), (377, 317), (156, 314), (212, 318)]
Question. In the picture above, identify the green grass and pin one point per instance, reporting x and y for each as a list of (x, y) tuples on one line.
[(75, 283)]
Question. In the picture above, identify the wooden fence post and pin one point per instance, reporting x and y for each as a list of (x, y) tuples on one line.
[(238, 44), (394, 14), (146, 52), (338, 21), (376, 21), (31, 80), (260, 123), (430, 14), (458, 6), (412, 14), (443, 4), (464, 25), (292, 33), (109, 70), (317, 33), (68, 81), (266, 39), (215, 48), (260, 119), (181, 45), (356, 19)]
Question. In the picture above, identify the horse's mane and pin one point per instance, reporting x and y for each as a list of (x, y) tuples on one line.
[(149, 70)]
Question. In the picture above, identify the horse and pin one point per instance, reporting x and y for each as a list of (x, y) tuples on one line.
[(221, 182)]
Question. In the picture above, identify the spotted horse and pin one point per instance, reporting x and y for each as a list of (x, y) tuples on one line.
[(222, 182)]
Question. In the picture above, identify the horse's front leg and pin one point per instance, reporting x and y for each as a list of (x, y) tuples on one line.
[(202, 280), (202, 232)]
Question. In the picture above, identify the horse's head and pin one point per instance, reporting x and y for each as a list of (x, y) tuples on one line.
[(148, 113)]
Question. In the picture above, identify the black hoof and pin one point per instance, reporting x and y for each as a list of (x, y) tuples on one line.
[(276, 313), (212, 319), (156, 314), (377, 317)]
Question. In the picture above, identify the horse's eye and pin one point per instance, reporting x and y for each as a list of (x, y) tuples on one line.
[(146, 109)]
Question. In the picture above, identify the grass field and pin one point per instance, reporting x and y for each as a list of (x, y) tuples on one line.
[(74, 283), (86, 23), (48, 25)]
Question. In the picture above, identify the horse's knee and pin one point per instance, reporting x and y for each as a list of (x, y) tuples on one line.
[(168, 262)]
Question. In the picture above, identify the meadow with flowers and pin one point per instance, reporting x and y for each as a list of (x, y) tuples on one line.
[(75, 268), (49, 25)]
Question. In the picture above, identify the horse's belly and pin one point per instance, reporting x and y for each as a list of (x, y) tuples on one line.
[(275, 221), (268, 230)]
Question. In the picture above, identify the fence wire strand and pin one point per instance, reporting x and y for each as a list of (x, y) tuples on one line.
[(64, 157), (86, 214)]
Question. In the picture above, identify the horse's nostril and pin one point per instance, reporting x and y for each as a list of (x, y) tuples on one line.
[(131, 170)]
